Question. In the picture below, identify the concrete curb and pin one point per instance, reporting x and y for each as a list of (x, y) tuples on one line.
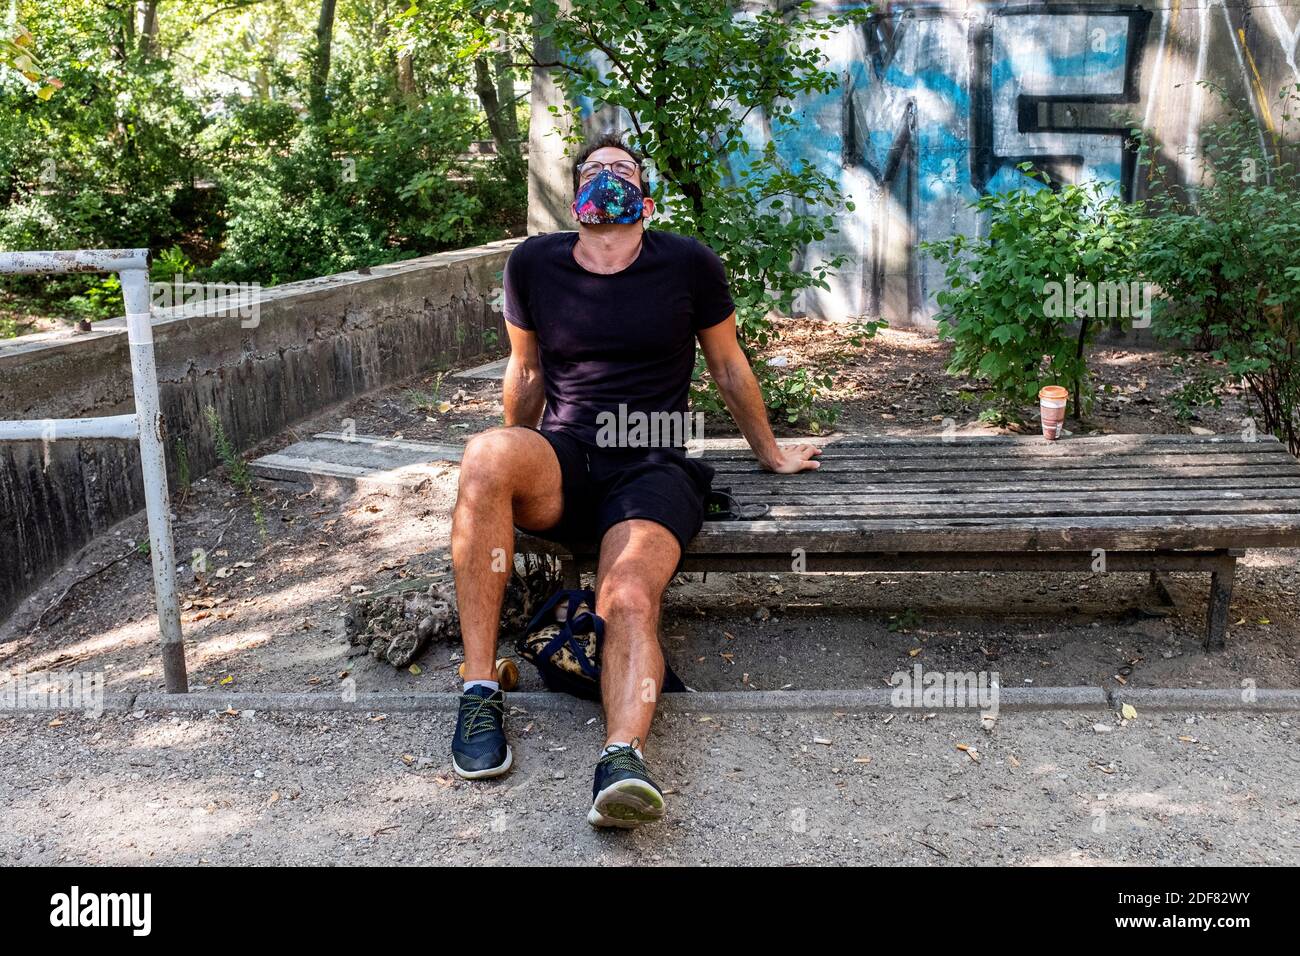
[(116, 703), (732, 701), (874, 699), (716, 702), (1213, 699)]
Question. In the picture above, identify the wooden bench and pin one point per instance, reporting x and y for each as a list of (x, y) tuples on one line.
[(1151, 503)]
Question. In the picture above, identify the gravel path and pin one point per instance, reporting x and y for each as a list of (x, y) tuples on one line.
[(1047, 788)]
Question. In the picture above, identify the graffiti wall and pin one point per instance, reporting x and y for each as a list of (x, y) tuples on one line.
[(940, 102)]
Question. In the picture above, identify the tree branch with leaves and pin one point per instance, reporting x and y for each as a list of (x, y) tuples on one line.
[(690, 73)]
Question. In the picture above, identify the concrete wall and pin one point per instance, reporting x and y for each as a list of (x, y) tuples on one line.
[(938, 102), (316, 343)]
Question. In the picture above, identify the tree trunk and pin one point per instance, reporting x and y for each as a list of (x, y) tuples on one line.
[(1078, 383), (504, 135), (505, 77), (320, 62), (148, 27), (406, 75), (128, 30)]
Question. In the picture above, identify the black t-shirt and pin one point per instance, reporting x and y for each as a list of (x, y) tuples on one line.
[(627, 338)]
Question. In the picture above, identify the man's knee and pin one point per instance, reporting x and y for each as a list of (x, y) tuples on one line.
[(626, 599), (487, 464)]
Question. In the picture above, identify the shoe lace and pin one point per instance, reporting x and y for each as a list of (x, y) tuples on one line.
[(479, 714), (624, 758)]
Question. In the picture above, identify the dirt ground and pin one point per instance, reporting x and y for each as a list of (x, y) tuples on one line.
[(265, 614), (747, 789)]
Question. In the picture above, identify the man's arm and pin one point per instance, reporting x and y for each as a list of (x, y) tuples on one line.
[(735, 379), (524, 397)]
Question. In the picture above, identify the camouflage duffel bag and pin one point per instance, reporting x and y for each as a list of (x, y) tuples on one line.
[(563, 641)]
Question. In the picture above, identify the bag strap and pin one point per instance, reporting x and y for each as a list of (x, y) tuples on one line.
[(568, 635), (578, 597), (575, 598)]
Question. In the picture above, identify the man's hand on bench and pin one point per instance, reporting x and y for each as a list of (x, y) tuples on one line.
[(735, 380), (794, 458)]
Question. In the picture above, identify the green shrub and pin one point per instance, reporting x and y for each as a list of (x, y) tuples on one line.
[(1006, 306), (289, 221), (376, 185), (1226, 256)]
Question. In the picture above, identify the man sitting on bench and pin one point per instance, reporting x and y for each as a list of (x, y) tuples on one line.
[(602, 324)]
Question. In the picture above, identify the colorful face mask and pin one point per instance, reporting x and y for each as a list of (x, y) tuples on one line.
[(609, 198)]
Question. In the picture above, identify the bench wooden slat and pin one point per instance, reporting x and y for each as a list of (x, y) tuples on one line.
[(963, 451), (843, 479), (1059, 507), (1081, 444), (957, 486), (1027, 494), (1045, 465), (1004, 534)]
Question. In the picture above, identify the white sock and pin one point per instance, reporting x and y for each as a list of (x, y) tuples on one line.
[(623, 743), (490, 684)]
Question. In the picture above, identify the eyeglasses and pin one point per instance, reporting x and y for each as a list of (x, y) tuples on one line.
[(623, 168)]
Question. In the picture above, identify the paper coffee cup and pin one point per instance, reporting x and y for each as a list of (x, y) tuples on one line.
[(1052, 400)]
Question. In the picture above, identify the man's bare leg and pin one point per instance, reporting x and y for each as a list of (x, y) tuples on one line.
[(508, 476), (637, 560)]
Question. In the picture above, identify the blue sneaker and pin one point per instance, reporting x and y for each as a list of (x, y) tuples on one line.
[(479, 747), (623, 794)]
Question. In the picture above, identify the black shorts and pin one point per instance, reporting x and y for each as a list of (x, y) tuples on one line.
[(603, 486)]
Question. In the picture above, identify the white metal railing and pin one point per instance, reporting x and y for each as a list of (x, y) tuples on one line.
[(145, 426)]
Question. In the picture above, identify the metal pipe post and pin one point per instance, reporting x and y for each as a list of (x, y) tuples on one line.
[(153, 465)]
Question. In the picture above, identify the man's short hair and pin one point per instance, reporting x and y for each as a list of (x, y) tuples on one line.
[(600, 142)]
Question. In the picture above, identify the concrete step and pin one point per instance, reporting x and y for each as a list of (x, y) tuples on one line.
[(492, 371), (339, 461)]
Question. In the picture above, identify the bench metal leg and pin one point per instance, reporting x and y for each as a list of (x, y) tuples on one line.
[(1161, 589), (1216, 620)]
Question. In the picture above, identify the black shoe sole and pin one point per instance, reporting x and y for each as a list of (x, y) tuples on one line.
[(626, 804), (489, 772)]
